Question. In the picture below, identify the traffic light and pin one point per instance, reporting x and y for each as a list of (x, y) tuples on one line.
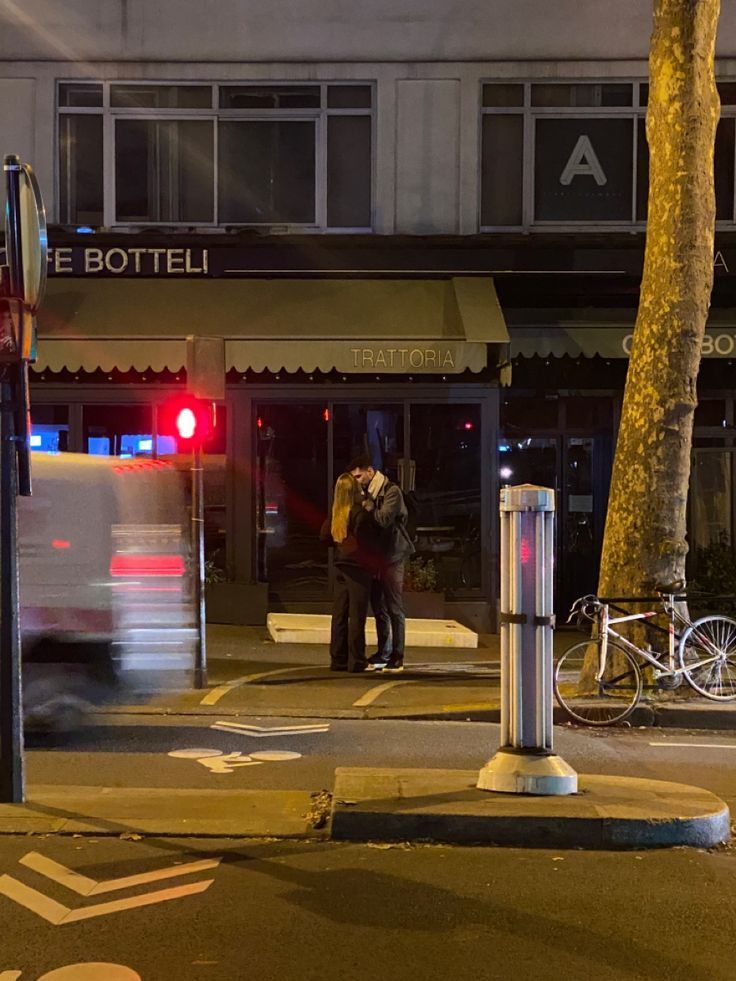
[(187, 419)]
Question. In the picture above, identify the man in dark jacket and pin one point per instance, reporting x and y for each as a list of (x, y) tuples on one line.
[(384, 500)]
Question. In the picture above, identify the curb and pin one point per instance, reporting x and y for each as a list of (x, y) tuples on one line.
[(445, 806), (664, 716)]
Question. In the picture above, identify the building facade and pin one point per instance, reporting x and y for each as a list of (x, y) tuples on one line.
[(419, 229)]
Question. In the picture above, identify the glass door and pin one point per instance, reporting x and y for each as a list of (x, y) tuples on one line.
[(292, 482), (710, 533), (580, 523)]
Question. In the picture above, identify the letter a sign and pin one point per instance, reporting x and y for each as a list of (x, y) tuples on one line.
[(583, 161)]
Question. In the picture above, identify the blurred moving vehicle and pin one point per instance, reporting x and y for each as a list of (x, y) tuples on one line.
[(105, 585)]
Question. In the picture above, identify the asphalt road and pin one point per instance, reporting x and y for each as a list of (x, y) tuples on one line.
[(133, 751), (298, 911), (318, 911)]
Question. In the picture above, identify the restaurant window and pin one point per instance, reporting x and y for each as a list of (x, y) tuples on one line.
[(575, 153), (118, 430), (446, 458), (209, 154), (49, 428)]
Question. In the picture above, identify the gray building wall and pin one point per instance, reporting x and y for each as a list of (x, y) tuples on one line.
[(427, 61)]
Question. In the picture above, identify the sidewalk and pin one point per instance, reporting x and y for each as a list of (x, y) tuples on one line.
[(250, 675)]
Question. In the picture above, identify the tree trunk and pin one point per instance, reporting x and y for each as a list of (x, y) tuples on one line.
[(645, 535)]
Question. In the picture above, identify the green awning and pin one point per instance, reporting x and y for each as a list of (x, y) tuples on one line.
[(364, 325)]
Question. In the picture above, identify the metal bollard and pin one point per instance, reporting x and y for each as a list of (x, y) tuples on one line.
[(525, 763)]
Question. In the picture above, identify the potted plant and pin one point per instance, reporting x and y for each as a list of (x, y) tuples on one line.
[(422, 597), (233, 602)]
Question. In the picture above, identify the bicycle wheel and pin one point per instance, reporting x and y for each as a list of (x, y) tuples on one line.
[(612, 700), (708, 657)]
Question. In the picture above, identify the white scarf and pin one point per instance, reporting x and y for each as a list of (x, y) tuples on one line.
[(376, 485)]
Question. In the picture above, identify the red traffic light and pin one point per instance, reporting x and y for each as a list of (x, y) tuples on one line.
[(186, 423), (187, 419)]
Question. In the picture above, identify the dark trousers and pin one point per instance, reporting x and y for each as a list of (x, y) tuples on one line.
[(387, 602), (349, 610)]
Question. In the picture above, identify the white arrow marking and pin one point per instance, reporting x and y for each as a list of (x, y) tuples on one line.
[(258, 732), (226, 764), (58, 914), (85, 886)]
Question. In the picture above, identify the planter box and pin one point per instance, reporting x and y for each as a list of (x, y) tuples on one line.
[(241, 603), (424, 606)]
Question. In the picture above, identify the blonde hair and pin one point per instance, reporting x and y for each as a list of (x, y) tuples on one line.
[(347, 493)]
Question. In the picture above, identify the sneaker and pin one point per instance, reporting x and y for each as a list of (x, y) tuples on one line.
[(376, 663), (393, 665)]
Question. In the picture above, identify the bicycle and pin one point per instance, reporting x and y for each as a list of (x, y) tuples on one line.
[(704, 653)]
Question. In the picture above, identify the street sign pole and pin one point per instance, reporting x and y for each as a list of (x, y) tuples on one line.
[(200, 653), (12, 779), (23, 285)]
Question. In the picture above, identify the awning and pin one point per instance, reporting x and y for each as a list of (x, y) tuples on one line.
[(385, 326), (609, 341)]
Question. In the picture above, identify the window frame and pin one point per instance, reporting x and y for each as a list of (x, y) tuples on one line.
[(319, 115), (529, 113)]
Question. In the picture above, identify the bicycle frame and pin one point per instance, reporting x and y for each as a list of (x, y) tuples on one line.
[(604, 625)]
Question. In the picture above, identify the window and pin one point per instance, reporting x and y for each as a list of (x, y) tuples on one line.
[(49, 428), (118, 430), (575, 153), (446, 452), (207, 154)]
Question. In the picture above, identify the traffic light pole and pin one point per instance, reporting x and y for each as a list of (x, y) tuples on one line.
[(12, 781), (200, 654)]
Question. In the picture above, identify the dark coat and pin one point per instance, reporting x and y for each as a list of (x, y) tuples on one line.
[(390, 515), (362, 547)]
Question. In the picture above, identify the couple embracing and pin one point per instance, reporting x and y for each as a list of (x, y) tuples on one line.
[(368, 528)]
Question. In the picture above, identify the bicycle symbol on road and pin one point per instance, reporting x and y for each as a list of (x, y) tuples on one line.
[(92, 971)]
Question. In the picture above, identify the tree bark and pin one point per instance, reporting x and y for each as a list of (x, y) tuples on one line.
[(645, 535)]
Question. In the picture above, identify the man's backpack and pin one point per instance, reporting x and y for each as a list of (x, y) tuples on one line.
[(410, 524)]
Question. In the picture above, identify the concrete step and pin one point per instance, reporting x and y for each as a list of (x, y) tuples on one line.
[(312, 628)]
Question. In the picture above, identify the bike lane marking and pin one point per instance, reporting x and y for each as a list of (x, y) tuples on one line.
[(85, 886), (214, 696), (372, 694), (697, 745), (58, 914)]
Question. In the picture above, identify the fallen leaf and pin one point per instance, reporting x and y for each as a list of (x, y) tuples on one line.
[(130, 836)]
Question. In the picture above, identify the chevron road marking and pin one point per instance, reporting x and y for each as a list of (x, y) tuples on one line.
[(260, 732), (85, 886), (58, 914)]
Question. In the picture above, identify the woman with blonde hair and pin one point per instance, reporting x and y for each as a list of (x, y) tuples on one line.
[(353, 532)]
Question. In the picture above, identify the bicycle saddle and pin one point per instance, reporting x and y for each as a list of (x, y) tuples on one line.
[(670, 588)]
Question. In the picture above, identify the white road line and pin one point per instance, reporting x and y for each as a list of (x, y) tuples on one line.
[(10, 975), (214, 696), (697, 745), (372, 694), (260, 732), (57, 913), (85, 886)]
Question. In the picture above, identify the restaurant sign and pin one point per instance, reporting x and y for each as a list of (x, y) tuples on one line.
[(605, 342)]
